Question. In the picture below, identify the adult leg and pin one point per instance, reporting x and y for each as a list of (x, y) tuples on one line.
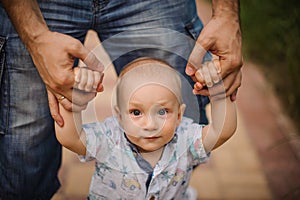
[(30, 154)]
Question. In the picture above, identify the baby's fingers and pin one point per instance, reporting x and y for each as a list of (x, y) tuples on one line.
[(90, 81), (206, 74), (77, 72), (199, 77), (213, 72), (83, 78)]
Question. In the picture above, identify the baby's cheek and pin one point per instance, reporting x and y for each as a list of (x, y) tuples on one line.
[(169, 130)]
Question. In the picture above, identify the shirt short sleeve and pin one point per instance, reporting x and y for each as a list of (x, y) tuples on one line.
[(99, 138), (190, 138)]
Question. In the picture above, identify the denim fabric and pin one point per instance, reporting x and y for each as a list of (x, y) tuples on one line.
[(135, 28), (30, 156), (151, 28)]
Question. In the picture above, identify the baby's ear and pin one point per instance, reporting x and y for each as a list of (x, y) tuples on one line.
[(180, 113)]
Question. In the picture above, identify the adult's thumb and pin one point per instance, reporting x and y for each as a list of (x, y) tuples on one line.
[(93, 63), (195, 58), (78, 50)]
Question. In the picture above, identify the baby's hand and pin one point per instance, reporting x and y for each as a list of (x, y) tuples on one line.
[(209, 73), (88, 80)]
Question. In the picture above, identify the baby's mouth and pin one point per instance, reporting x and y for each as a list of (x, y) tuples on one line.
[(151, 138), (149, 134)]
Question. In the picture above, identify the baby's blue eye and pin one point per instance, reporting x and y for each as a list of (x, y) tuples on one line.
[(136, 112), (162, 112)]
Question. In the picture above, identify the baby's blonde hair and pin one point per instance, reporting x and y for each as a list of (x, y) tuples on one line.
[(146, 70)]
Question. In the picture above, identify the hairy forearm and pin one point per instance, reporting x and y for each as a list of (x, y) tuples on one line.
[(27, 19), (229, 8)]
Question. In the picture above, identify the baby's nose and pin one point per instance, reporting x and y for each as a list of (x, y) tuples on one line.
[(151, 123)]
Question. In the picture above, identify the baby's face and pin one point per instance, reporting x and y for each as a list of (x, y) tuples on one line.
[(150, 117)]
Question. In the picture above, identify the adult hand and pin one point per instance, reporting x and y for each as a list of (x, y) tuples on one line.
[(222, 37), (53, 54), (86, 82)]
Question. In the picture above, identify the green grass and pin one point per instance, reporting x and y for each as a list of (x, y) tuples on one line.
[(271, 37)]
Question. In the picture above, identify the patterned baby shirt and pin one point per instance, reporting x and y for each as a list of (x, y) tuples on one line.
[(119, 173)]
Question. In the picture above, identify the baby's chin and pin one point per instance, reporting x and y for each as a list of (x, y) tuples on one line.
[(148, 148)]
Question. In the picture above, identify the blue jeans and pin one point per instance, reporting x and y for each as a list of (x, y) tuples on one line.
[(30, 156)]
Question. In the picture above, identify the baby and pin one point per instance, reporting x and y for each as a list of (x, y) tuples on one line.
[(148, 149)]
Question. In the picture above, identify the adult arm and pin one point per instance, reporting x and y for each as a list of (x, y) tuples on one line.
[(53, 55), (222, 37)]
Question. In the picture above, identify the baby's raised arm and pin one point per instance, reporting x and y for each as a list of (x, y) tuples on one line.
[(71, 135), (223, 111)]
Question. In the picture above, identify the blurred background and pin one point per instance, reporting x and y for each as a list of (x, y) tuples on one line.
[(261, 161), (271, 33)]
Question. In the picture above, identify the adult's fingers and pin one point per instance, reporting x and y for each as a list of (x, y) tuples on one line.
[(201, 91), (232, 91), (54, 108), (233, 95), (229, 65), (81, 98), (68, 105), (217, 91), (78, 100), (76, 97)]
